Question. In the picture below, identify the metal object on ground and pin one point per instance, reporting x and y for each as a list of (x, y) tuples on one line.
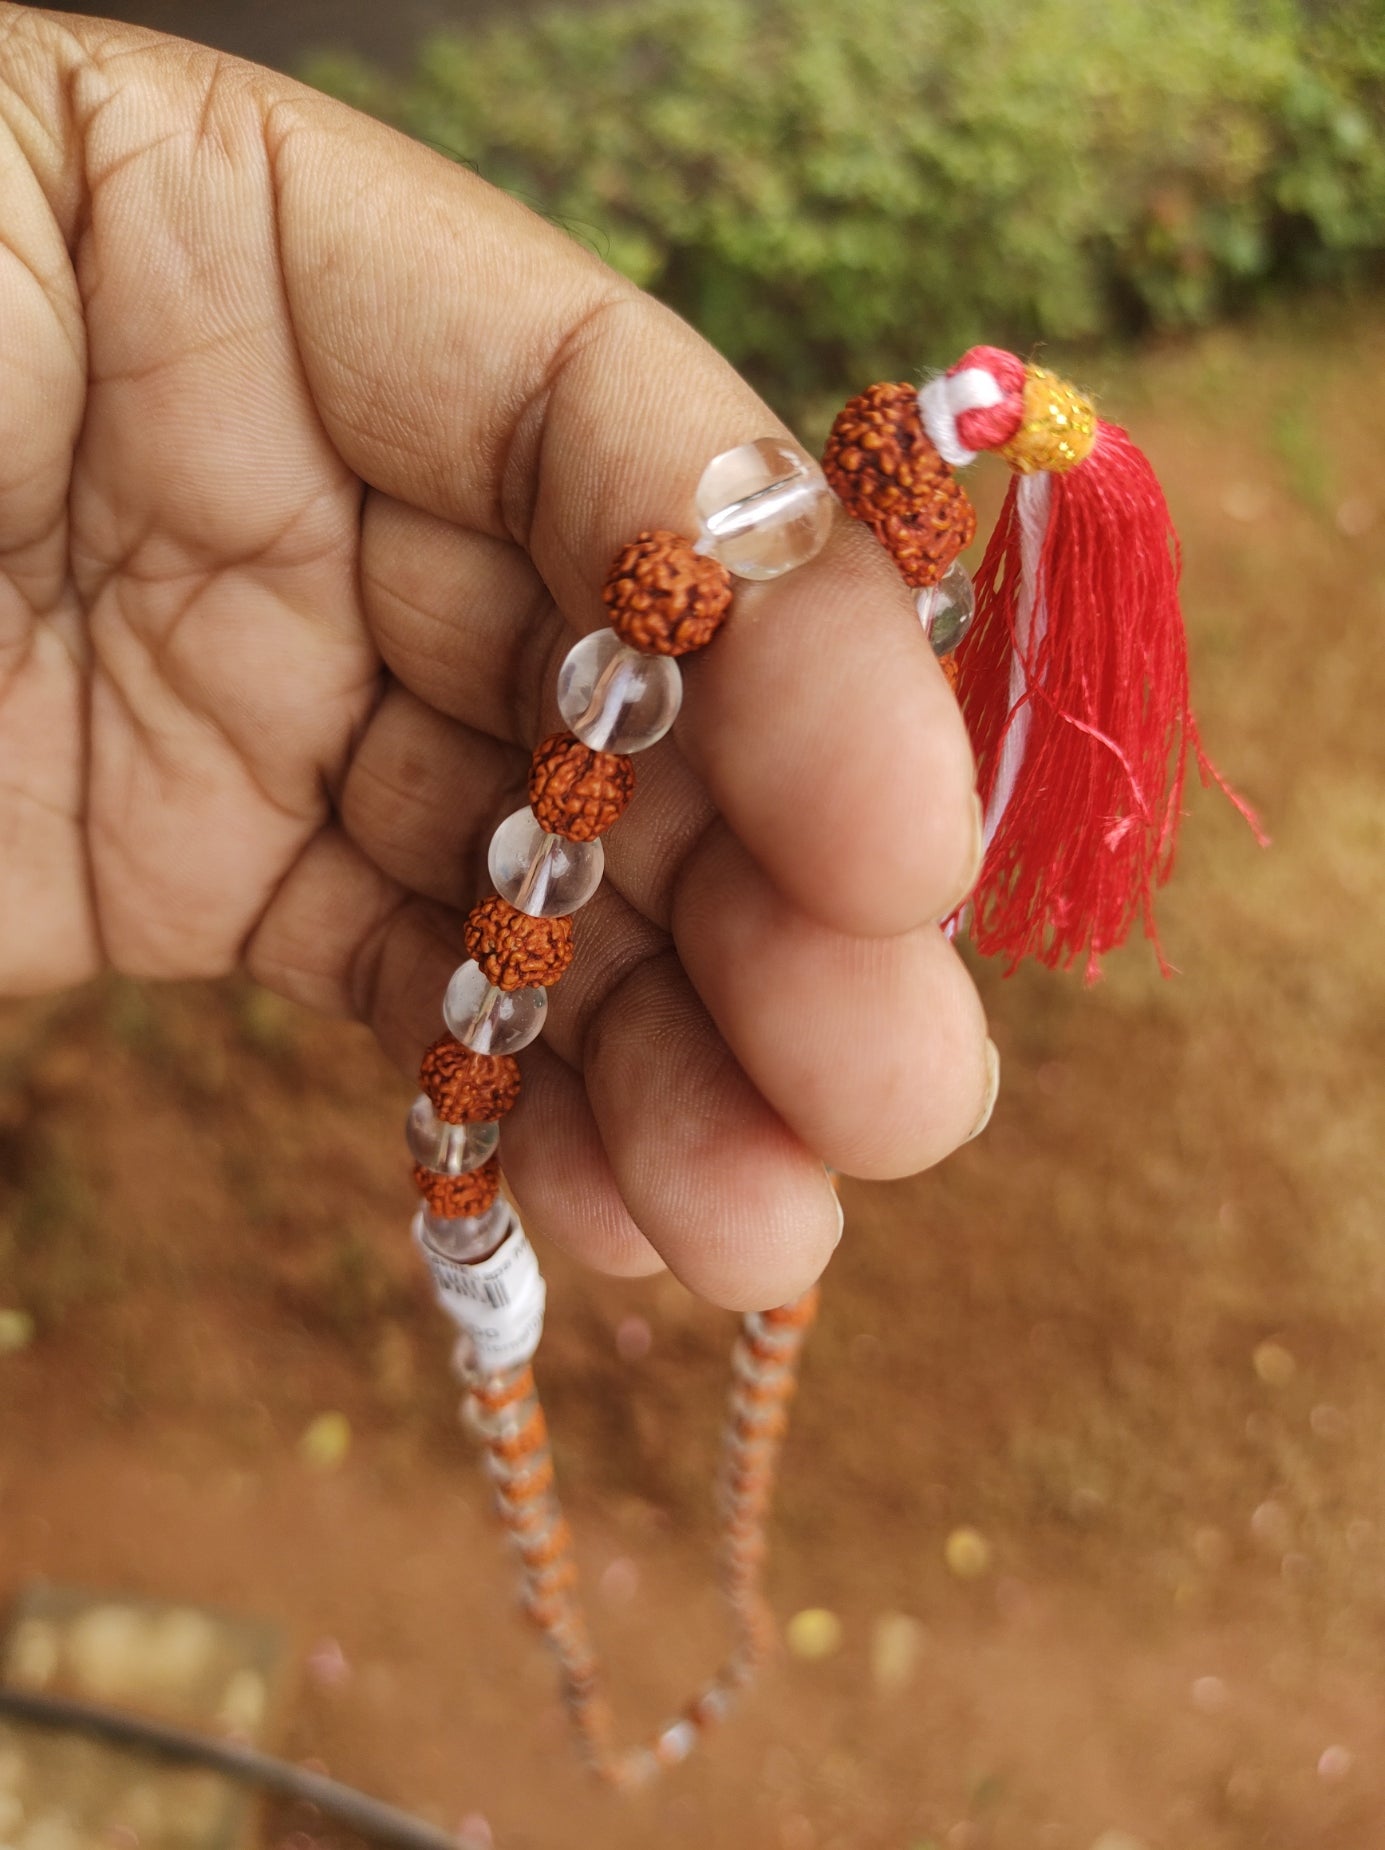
[(190, 1665)]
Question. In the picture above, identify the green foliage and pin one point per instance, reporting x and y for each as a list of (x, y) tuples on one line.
[(826, 190)]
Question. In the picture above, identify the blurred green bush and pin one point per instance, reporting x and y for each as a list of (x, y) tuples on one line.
[(828, 189)]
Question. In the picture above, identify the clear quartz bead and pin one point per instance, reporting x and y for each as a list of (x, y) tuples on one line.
[(491, 1020), (947, 609), (447, 1149), (541, 874), (765, 508), (617, 699), (465, 1241)]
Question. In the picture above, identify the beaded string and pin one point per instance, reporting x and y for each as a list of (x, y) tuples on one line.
[(763, 509)]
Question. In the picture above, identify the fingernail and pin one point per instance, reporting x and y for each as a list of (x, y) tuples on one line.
[(974, 859), (831, 1175), (992, 1091)]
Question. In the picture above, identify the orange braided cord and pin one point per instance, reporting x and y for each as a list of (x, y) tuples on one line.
[(505, 1411)]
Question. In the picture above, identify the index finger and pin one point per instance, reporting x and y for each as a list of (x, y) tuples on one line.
[(470, 359)]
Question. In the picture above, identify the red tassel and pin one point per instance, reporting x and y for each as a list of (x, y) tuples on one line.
[(1074, 678), (1088, 830)]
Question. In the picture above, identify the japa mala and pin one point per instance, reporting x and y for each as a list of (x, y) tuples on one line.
[(1069, 659)]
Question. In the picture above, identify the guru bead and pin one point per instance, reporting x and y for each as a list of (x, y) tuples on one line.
[(577, 792), (884, 468), (514, 949), (664, 597), (466, 1087), (463, 1197)]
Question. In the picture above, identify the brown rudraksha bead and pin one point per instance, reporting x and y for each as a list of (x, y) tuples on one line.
[(885, 471), (466, 1087), (664, 596), (514, 949), (577, 792), (463, 1197)]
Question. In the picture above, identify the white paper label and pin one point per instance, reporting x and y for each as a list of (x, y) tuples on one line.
[(498, 1301)]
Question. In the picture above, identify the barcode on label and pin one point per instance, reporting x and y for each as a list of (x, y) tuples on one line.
[(463, 1283), (498, 1301)]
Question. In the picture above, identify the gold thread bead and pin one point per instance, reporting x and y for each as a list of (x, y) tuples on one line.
[(1057, 430)]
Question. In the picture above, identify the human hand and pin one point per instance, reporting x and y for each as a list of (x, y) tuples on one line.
[(314, 450)]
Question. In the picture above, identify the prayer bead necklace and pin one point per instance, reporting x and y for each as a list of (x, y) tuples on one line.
[(1071, 670)]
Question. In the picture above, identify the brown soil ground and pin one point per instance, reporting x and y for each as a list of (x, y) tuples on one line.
[(1132, 1336)]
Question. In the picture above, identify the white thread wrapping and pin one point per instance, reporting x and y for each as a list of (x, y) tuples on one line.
[(944, 398), (1034, 499), (497, 1303)]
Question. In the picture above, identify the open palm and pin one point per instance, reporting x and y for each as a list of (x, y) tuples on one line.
[(313, 452)]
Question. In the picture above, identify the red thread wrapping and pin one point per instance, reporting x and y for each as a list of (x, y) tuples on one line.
[(1090, 831), (988, 426)]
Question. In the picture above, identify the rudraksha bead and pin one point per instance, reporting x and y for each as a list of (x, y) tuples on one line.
[(463, 1197), (577, 792), (664, 596), (882, 464), (467, 1087), (514, 949)]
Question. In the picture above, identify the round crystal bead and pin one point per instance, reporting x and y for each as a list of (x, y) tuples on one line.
[(542, 874), (465, 1241), (491, 1020), (447, 1149), (947, 609), (615, 698), (765, 508)]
